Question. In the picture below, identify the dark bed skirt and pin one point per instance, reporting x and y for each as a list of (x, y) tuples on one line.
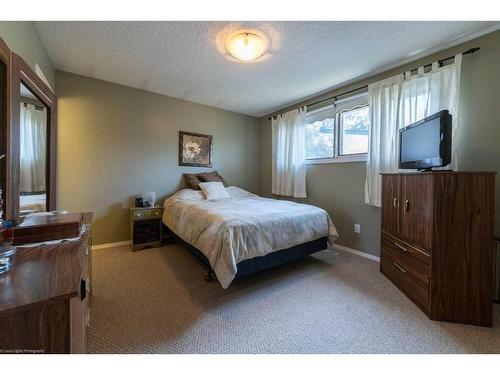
[(257, 264)]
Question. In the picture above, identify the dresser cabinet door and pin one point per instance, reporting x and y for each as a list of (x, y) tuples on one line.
[(416, 208), (391, 201)]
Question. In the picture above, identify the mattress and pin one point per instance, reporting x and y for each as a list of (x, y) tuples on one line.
[(243, 227)]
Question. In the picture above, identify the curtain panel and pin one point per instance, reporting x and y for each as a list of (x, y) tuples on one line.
[(32, 149), (288, 147), (383, 101), (399, 101)]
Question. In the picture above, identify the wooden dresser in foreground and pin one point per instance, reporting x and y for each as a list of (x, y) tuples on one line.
[(437, 242), (44, 298)]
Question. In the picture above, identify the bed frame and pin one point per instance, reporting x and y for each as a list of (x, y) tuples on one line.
[(257, 264)]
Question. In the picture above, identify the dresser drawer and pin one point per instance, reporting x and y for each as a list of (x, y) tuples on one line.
[(404, 248), (408, 273), (147, 214)]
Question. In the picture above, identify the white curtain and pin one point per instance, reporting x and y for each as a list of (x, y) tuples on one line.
[(33, 148), (428, 93), (383, 102), (289, 161), (400, 101)]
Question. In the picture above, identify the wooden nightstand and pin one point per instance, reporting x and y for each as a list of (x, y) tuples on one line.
[(146, 227)]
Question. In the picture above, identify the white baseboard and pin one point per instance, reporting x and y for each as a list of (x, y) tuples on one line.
[(111, 244), (337, 247), (357, 252)]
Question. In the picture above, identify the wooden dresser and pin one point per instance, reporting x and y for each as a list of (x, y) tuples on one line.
[(437, 242), (44, 298)]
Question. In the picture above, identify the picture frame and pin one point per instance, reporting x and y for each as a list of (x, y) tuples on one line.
[(195, 150)]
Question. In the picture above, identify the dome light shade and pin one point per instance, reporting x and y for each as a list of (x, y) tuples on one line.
[(245, 46)]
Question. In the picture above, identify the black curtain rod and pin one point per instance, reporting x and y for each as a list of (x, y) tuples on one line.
[(37, 107), (440, 62)]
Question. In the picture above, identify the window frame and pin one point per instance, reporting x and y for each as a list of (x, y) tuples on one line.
[(343, 105)]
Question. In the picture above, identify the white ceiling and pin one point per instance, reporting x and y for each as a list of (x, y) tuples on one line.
[(184, 59)]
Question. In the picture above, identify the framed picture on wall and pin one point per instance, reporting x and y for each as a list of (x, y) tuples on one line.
[(195, 150)]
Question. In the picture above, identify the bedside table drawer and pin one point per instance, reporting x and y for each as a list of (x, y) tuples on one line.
[(147, 214)]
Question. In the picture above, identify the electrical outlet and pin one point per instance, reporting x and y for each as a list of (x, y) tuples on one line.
[(357, 228)]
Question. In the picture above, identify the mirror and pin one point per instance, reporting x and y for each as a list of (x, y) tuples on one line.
[(31, 164), (33, 154), (3, 126)]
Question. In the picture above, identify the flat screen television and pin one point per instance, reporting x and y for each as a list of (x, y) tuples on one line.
[(426, 144)]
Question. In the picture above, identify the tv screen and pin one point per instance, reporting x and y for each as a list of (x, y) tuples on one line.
[(426, 143)]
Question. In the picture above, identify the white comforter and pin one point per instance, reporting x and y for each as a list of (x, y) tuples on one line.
[(243, 227)]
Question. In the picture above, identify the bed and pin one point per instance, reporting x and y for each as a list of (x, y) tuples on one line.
[(246, 233)]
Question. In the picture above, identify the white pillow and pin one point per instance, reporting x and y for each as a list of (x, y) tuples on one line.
[(214, 191)]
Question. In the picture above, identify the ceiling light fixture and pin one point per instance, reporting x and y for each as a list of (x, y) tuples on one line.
[(245, 46)]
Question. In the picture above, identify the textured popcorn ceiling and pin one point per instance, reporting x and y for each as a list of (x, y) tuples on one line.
[(186, 59)]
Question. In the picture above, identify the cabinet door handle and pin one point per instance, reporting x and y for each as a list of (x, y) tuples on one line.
[(407, 205), (399, 267), (395, 202), (402, 248)]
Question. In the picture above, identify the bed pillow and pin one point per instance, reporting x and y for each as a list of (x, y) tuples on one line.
[(214, 191), (192, 181), (212, 177)]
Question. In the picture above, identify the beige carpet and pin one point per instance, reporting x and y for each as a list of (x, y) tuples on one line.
[(156, 301)]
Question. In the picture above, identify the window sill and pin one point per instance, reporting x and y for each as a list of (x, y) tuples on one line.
[(360, 158)]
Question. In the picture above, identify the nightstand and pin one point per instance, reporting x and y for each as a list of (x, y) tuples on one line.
[(146, 227)]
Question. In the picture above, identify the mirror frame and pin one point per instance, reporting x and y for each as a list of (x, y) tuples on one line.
[(22, 73), (5, 57)]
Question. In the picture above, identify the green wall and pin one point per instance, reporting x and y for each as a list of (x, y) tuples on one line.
[(115, 142), (23, 39), (339, 188)]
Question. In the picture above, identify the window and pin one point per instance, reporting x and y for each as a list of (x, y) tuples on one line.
[(353, 131), (319, 139), (338, 133)]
